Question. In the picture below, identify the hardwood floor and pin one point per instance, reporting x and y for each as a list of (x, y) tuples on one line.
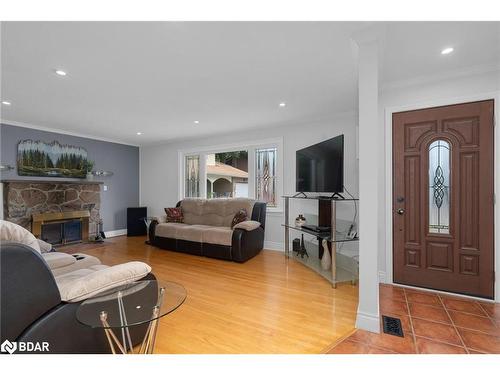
[(266, 305)]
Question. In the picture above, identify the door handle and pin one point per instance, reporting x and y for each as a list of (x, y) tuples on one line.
[(400, 211)]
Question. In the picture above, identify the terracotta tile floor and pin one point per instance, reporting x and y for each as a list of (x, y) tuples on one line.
[(433, 323)]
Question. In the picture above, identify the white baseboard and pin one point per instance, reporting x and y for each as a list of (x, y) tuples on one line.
[(116, 233), (271, 245), (368, 322), (381, 277)]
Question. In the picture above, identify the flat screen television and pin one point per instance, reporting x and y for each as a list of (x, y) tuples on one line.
[(320, 167)]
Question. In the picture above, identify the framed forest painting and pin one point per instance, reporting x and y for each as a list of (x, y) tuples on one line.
[(37, 158)]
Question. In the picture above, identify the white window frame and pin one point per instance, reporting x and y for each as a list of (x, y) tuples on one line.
[(250, 146)]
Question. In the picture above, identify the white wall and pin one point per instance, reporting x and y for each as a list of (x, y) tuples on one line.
[(159, 167), (462, 88)]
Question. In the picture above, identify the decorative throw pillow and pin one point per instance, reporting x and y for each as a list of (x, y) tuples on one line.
[(174, 215), (239, 217)]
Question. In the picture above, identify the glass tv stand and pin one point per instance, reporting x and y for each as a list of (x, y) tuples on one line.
[(344, 268)]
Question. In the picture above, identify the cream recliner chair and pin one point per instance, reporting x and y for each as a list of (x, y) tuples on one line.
[(59, 263), (78, 276), (41, 293)]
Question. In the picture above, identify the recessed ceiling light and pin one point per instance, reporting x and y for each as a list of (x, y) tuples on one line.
[(61, 72), (196, 121), (139, 133), (6, 102), (447, 50), (282, 104)]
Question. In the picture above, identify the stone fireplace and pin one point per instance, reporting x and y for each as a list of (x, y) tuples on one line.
[(27, 201)]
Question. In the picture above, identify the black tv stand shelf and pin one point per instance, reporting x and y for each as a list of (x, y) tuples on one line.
[(339, 237), (316, 228), (327, 210), (335, 197)]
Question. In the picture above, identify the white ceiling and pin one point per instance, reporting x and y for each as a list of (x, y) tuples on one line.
[(158, 77), (413, 48)]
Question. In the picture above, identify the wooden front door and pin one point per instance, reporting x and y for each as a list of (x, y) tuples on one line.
[(443, 198)]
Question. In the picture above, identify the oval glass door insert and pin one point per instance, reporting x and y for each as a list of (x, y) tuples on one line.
[(439, 187)]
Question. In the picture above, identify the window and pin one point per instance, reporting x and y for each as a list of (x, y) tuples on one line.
[(192, 174), (227, 174), (439, 186), (265, 185), (252, 170)]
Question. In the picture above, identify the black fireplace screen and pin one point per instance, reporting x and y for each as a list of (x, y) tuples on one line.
[(59, 233), (52, 233)]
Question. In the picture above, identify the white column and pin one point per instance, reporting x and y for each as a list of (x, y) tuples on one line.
[(368, 308)]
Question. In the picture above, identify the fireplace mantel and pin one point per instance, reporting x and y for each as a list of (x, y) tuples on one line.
[(51, 216), (78, 182)]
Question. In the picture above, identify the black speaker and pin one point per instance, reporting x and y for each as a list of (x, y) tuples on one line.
[(135, 223)]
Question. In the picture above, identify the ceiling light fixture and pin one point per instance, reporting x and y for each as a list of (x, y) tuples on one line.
[(61, 72), (196, 121), (282, 104), (139, 133), (5, 102), (447, 50)]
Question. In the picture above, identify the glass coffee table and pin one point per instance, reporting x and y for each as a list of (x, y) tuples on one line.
[(130, 305)]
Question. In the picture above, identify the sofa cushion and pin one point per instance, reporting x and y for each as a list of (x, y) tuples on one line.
[(218, 235), (11, 232), (193, 233), (216, 212), (168, 230), (196, 233), (85, 283)]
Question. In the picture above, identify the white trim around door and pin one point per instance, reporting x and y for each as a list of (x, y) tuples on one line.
[(388, 277)]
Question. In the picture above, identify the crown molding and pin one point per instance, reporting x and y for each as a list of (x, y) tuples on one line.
[(430, 78), (65, 132)]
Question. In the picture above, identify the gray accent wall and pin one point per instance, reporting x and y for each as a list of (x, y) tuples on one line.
[(122, 160)]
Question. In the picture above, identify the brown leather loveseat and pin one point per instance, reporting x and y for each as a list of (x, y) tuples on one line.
[(206, 229)]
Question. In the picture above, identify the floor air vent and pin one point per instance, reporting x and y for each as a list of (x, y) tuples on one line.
[(392, 326)]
